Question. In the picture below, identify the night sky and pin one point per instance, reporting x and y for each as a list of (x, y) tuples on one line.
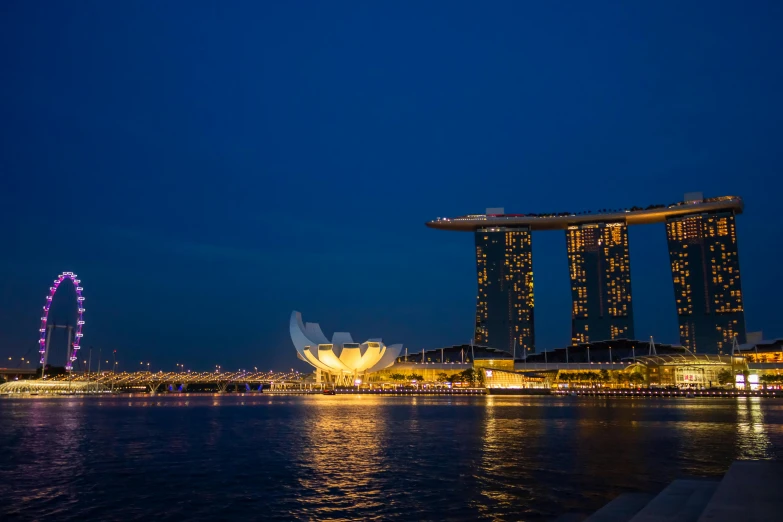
[(207, 167)]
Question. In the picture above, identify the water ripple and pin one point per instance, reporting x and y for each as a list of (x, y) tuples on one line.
[(361, 457)]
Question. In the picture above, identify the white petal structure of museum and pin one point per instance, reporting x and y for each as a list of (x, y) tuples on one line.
[(340, 361)]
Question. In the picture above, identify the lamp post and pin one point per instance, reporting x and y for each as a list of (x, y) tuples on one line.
[(100, 353)]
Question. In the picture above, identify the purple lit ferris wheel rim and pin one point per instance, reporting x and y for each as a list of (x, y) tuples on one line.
[(79, 322)]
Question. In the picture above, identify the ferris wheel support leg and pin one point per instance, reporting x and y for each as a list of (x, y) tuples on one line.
[(46, 349), (70, 350)]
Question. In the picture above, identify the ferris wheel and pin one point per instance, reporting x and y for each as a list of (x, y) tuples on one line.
[(46, 329)]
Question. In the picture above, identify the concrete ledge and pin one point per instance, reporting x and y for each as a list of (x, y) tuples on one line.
[(750, 491), (681, 501), (621, 509)]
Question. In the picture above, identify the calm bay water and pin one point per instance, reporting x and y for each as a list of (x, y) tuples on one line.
[(361, 457)]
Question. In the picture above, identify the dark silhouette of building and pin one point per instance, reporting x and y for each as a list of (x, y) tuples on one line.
[(504, 303), (600, 271), (706, 276)]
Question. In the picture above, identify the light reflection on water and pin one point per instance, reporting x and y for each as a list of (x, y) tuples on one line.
[(752, 440), (367, 457)]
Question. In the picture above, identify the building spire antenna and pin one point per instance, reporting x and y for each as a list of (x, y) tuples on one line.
[(735, 347)]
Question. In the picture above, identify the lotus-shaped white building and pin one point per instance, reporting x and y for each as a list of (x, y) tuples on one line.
[(339, 361)]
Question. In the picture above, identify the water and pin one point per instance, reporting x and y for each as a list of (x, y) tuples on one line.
[(361, 457)]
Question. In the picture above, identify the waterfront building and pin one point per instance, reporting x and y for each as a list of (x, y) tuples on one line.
[(691, 370), (615, 350), (341, 361), (706, 277), (600, 269), (460, 353), (763, 351), (504, 301), (448, 364), (704, 260)]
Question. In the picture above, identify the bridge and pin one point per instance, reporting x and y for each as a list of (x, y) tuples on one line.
[(153, 382), (17, 373)]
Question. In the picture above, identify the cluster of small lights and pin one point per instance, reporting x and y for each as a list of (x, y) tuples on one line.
[(79, 323)]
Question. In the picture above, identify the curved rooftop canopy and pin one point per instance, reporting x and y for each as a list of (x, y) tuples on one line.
[(563, 220), (679, 359), (341, 355)]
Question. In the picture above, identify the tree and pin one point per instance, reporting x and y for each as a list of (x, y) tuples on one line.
[(472, 376), (442, 377), (724, 376), (636, 378), (604, 376), (416, 377)]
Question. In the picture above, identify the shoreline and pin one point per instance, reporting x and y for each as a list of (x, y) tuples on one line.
[(473, 392)]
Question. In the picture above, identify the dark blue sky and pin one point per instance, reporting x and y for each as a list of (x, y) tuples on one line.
[(206, 167)]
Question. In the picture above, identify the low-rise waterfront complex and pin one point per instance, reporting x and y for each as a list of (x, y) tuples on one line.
[(613, 364)]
